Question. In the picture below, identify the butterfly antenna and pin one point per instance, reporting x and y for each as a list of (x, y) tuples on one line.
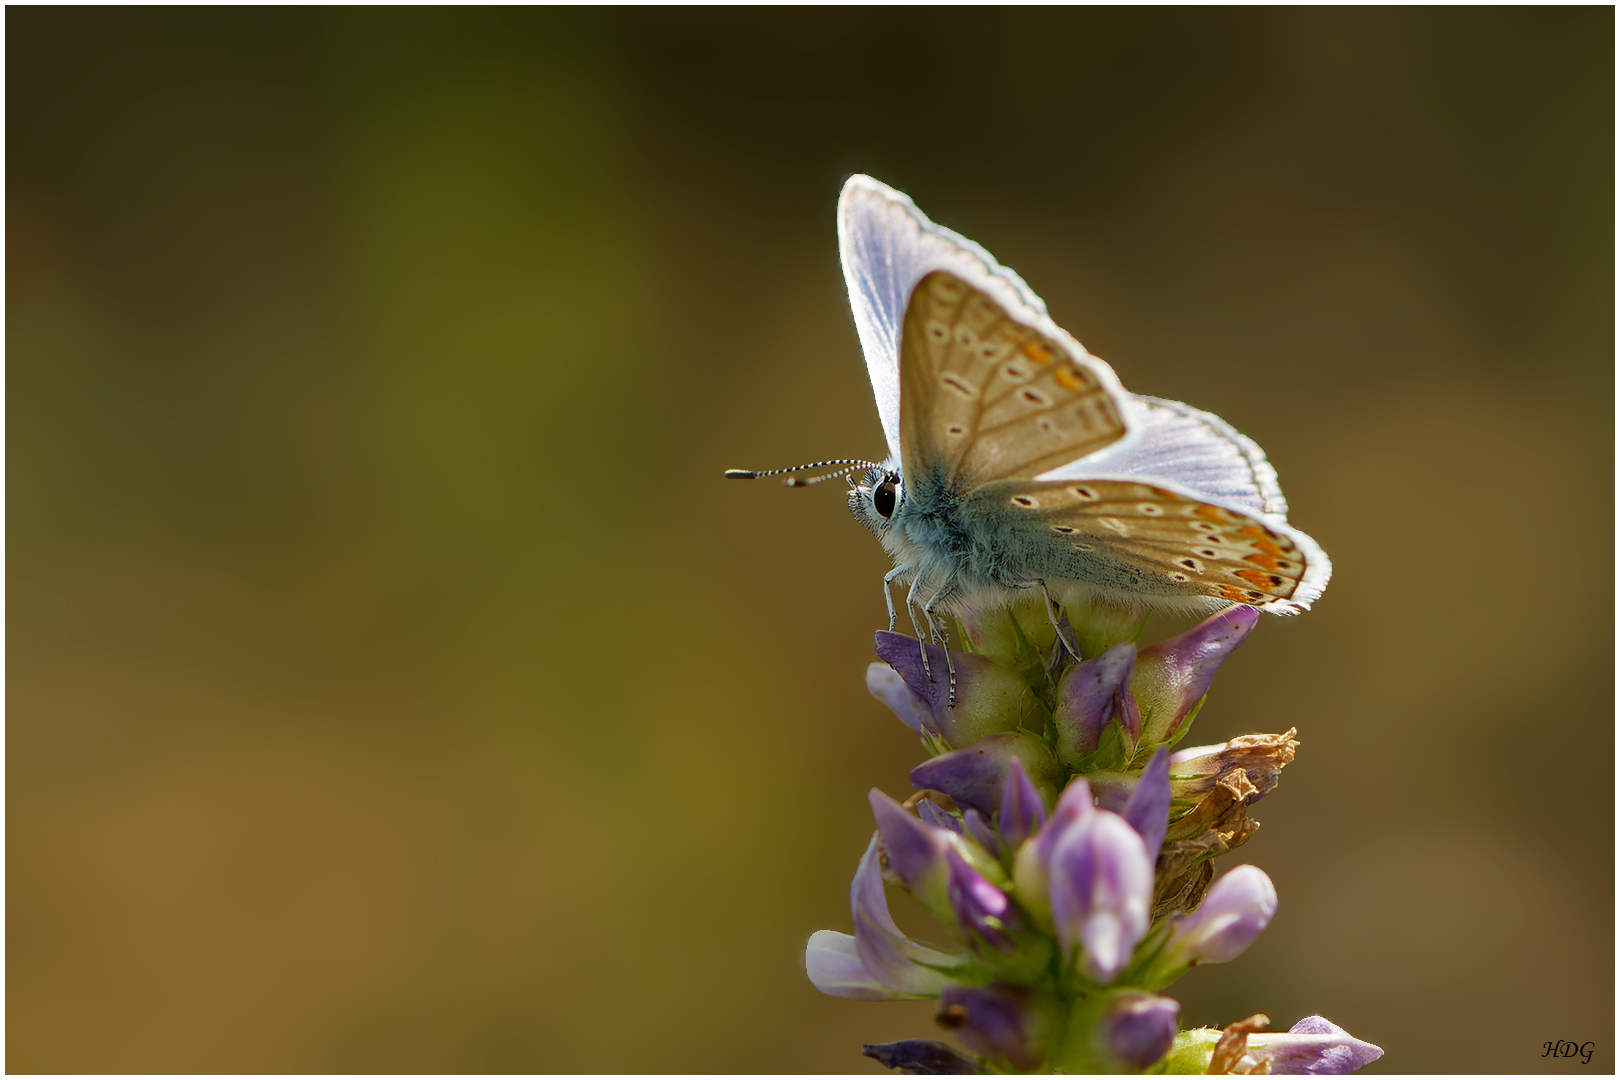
[(796, 481)]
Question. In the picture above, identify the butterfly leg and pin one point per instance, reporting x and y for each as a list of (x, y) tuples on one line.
[(1054, 614), (911, 610), (888, 597), (938, 625)]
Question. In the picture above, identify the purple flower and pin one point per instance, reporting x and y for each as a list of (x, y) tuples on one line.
[(1315, 1047), (1023, 811), (924, 1057), (916, 851), (1234, 912), (935, 816), (989, 697), (1101, 890), (1031, 866), (1137, 1028), (979, 906), (1173, 676), (974, 825), (1089, 695), (1148, 808), (887, 686), (998, 1021), (878, 963), (976, 775), (1111, 790), (1075, 803)]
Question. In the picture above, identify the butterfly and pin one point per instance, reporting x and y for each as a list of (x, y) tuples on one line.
[(1017, 461)]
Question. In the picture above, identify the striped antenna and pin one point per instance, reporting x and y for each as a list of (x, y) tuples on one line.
[(794, 481)]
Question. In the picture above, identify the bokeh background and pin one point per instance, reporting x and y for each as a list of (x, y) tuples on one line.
[(395, 684)]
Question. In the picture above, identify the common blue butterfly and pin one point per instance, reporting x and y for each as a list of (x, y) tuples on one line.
[(1017, 461)]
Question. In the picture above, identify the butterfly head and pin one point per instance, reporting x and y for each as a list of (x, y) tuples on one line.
[(877, 497)]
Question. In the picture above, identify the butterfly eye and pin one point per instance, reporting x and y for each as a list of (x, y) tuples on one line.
[(883, 499)]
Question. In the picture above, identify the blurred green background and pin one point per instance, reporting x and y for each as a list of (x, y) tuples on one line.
[(395, 684)]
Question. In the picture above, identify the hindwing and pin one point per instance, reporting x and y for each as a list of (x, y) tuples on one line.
[(1180, 545)]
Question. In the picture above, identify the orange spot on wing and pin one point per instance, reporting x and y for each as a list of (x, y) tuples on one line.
[(1067, 378), (1211, 513), (1038, 352), (1264, 562), (1254, 577), (1232, 592)]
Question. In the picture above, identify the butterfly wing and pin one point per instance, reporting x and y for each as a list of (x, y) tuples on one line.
[(987, 397), (1199, 449), (887, 246), (1136, 494), (1155, 537)]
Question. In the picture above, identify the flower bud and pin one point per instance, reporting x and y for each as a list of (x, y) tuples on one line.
[(934, 815), (1148, 808), (1013, 635), (1111, 790), (974, 825), (1234, 912), (1001, 1022), (1100, 624), (925, 1057), (989, 697), (980, 907), (1031, 878), (1075, 803), (916, 851), (1089, 695), (885, 684), (1173, 676), (1314, 1045), (1101, 889), (976, 775), (1136, 1029), (1023, 809)]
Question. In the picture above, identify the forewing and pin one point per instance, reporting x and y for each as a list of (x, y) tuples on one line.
[(1182, 544), (887, 246), (985, 397)]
